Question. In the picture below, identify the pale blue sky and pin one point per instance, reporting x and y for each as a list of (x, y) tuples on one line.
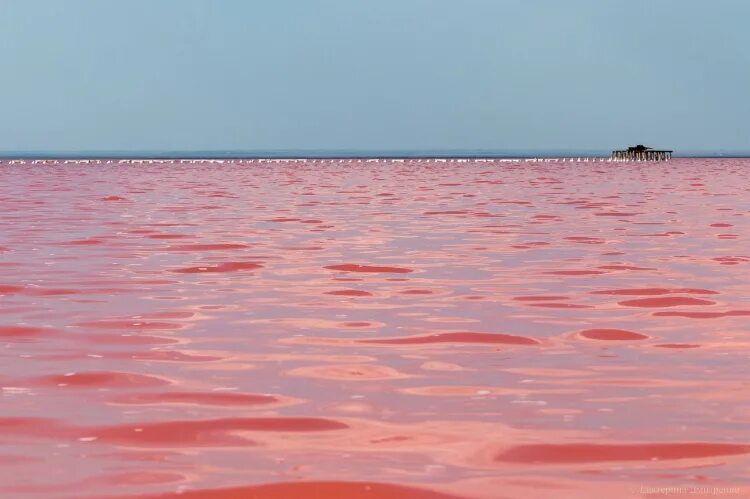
[(373, 74)]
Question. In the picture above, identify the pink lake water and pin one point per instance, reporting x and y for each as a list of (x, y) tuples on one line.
[(416, 329)]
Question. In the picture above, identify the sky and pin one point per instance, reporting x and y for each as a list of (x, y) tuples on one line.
[(375, 75)]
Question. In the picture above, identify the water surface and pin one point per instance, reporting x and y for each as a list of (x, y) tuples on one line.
[(374, 329)]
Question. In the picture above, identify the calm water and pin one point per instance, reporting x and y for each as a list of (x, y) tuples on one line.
[(474, 329)]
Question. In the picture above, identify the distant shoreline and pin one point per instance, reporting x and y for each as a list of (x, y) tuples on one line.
[(334, 158), (333, 155)]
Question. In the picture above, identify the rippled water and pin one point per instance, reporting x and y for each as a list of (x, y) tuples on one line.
[(383, 329)]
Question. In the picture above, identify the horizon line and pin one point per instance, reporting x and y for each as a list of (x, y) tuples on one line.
[(166, 154)]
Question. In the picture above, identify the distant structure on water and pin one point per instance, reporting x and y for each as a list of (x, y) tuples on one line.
[(641, 153)]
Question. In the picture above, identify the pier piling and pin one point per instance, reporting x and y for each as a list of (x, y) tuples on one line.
[(641, 153)]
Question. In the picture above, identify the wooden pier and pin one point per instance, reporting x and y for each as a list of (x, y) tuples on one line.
[(641, 153)]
